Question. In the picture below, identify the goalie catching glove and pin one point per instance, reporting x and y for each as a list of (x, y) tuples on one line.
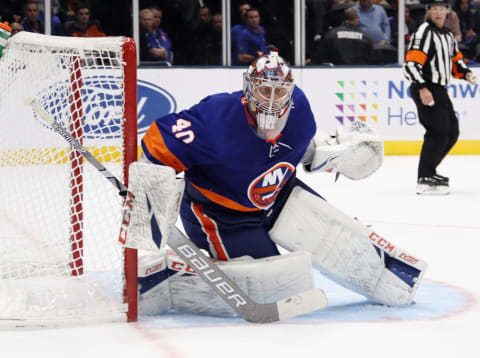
[(355, 154)]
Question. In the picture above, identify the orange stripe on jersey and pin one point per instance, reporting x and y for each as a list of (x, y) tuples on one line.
[(209, 227), (153, 139), (456, 73), (223, 201), (416, 56), (457, 57)]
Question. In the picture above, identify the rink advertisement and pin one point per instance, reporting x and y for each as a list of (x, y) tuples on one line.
[(377, 96)]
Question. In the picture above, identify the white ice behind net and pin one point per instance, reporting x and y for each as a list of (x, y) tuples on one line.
[(59, 218)]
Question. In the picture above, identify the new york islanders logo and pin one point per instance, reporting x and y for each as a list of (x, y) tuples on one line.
[(263, 191)]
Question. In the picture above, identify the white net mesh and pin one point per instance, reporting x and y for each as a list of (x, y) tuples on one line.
[(59, 218)]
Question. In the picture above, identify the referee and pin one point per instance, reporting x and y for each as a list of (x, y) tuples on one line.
[(432, 58)]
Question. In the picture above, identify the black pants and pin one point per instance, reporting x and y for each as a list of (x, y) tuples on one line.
[(441, 125)]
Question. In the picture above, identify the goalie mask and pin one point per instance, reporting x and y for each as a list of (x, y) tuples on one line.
[(268, 87)]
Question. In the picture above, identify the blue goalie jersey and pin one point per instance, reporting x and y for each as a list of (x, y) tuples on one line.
[(216, 145)]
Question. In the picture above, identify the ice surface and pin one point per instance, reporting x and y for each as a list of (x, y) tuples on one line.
[(444, 322)]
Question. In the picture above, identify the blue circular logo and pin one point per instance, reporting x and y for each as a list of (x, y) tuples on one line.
[(102, 104), (153, 102), (264, 189)]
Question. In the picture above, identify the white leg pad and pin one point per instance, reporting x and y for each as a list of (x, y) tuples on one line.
[(166, 282), (153, 286), (347, 251)]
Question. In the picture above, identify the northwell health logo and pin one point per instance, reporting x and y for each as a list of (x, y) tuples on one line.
[(356, 99)]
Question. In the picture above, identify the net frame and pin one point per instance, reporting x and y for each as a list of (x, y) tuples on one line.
[(129, 146)]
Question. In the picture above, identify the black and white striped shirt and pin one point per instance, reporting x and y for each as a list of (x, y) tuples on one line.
[(433, 56)]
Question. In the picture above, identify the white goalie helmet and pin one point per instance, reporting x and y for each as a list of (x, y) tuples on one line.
[(268, 87)]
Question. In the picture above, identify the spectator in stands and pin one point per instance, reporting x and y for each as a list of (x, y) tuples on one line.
[(217, 22), (475, 5), (205, 40), (69, 7), (154, 43), (146, 24), (31, 21), (251, 41), (346, 44), (466, 16), (160, 39), (243, 8), (373, 20), (204, 27), (317, 21), (205, 16), (10, 11), (179, 21), (469, 28), (453, 24), (317, 25), (83, 26), (277, 18), (208, 49), (215, 53), (157, 17), (16, 27), (409, 27)]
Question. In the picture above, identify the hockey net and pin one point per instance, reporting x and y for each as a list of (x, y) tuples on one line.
[(60, 260)]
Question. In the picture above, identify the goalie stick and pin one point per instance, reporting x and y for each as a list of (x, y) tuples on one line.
[(208, 271)]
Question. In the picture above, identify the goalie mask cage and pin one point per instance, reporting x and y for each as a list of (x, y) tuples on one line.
[(60, 260)]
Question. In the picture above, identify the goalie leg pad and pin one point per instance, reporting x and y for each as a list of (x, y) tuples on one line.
[(167, 282), (347, 251), (153, 286)]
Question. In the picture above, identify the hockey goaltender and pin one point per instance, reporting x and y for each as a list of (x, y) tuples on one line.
[(240, 200)]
